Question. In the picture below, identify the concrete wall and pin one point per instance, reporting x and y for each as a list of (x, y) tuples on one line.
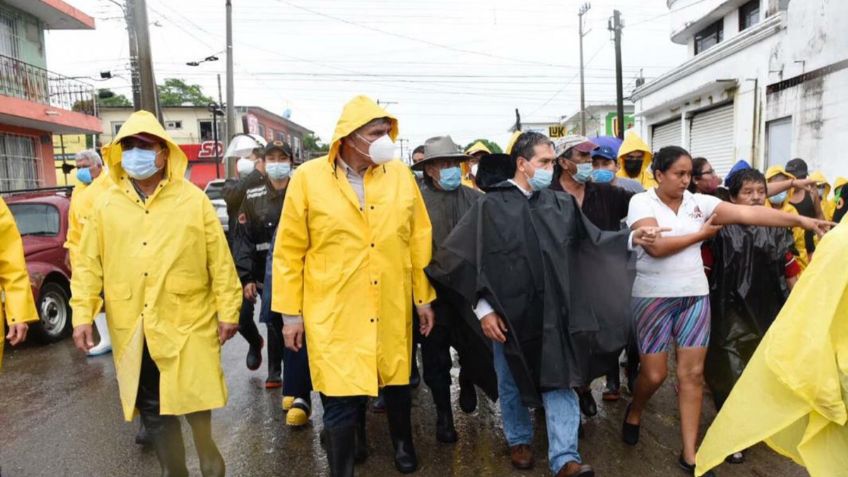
[(816, 38)]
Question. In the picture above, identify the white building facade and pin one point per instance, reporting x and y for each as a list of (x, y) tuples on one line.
[(766, 81)]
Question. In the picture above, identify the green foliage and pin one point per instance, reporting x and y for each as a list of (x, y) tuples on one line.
[(108, 98), (176, 92), (312, 143)]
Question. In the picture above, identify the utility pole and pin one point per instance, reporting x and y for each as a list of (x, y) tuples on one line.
[(402, 157), (149, 100), (615, 25), (231, 108), (136, 82), (583, 9)]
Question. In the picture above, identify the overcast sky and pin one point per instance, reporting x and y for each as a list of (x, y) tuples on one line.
[(450, 66)]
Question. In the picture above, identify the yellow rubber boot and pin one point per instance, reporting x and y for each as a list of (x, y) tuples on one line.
[(288, 401), (298, 415)]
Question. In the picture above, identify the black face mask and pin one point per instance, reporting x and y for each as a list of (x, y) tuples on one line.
[(633, 167)]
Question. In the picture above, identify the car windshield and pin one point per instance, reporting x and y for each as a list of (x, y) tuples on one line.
[(36, 219), (213, 190)]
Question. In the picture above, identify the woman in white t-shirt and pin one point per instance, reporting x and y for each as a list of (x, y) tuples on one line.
[(671, 294)]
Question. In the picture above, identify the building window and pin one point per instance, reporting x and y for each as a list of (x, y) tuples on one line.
[(9, 44), (116, 126), (710, 36), (261, 131), (281, 136), (173, 124), (749, 14), (19, 163), (206, 133)]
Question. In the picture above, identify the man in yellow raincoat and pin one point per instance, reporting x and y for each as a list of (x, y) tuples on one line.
[(18, 307), (634, 160), (794, 392), (92, 183), (349, 257), (155, 248)]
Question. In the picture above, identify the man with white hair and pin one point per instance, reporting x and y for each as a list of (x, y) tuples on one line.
[(91, 183)]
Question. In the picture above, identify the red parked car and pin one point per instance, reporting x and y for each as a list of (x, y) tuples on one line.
[(42, 219)]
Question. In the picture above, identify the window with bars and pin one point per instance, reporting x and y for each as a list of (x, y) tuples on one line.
[(9, 43), (19, 163)]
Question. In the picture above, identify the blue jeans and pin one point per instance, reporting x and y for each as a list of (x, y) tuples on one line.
[(562, 415)]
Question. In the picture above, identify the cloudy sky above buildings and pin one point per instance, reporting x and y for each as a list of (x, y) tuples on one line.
[(443, 66)]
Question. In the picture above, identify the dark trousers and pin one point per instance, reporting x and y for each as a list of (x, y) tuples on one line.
[(296, 379), (165, 430), (275, 345), (435, 353), (344, 411), (631, 370), (247, 327)]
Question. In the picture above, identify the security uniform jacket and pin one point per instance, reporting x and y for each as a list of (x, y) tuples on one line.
[(257, 222)]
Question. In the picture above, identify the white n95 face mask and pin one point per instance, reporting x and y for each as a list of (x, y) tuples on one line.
[(245, 166), (382, 150)]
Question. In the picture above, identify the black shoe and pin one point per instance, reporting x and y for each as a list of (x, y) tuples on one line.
[(467, 396), (588, 406), (445, 432), (340, 444), (254, 356), (142, 437), (629, 432), (690, 468)]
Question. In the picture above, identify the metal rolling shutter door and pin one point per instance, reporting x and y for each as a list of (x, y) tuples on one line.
[(712, 137), (667, 134)]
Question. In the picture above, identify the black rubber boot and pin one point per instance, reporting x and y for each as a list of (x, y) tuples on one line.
[(142, 437), (445, 431), (398, 410), (211, 461), (340, 444), (167, 441), (360, 440)]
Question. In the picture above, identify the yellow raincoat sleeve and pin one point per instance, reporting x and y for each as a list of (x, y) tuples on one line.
[(290, 250), (421, 249), (87, 277), (74, 234), (222, 271), (19, 306)]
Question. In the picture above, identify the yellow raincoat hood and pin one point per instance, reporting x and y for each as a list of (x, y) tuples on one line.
[(794, 391), (478, 147), (144, 122), (828, 206), (355, 114), (773, 171), (632, 143)]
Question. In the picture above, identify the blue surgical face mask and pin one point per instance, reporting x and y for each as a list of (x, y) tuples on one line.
[(778, 199), (584, 173), (603, 176), (541, 179), (277, 170), (139, 164), (450, 178), (84, 175)]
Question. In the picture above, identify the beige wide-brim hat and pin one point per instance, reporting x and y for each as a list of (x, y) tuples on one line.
[(440, 147)]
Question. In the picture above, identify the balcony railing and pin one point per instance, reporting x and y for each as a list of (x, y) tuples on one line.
[(30, 82)]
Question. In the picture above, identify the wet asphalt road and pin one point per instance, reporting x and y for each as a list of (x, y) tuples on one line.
[(60, 416)]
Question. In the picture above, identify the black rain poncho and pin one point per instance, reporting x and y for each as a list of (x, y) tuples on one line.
[(747, 290), (532, 260)]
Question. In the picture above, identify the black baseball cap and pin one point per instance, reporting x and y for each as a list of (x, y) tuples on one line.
[(278, 145), (798, 168)]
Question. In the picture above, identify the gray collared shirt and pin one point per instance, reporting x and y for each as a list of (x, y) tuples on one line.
[(356, 181)]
